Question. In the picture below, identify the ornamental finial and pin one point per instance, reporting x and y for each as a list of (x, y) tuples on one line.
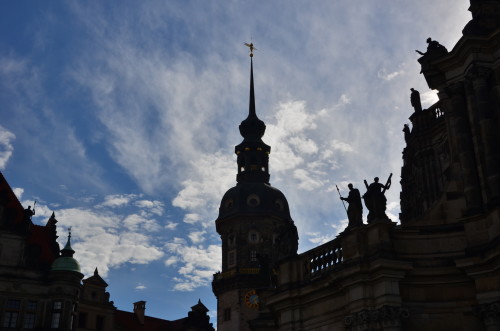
[(252, 48)]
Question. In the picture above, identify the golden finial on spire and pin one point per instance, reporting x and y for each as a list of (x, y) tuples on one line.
[(252, 48)]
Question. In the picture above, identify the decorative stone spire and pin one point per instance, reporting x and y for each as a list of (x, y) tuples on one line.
[(253, 153), (67, 251)]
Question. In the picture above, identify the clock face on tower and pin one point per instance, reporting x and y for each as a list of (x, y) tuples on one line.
[(252, 299)]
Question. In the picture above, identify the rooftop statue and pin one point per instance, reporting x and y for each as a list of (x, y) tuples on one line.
[(28, 212), (434, 50), (406, 130), (355, 209), (375, 200), (415, 100)]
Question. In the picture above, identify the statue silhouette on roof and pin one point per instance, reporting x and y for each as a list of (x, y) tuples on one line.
[(434, 50), (375, 200), (415, 100), (406, 130), (28, 213), (355, 209)]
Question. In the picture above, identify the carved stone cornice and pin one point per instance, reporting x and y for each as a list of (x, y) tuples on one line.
[(376, 318)]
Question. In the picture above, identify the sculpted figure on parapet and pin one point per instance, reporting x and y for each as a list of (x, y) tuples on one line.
[(355, 209), (434, 50), (375, 200), (415, 100), (28, 213), (406, 130)]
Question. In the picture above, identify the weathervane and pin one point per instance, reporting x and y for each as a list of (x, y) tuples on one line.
[(252, 48)]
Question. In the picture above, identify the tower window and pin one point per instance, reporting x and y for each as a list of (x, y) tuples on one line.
[(231, 240), (56, 314), (229, 204), (253, 237), (227, 314), (231, 259), (253, 255), (253, 200)]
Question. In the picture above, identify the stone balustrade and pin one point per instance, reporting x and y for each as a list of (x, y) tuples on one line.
[(322, 259)]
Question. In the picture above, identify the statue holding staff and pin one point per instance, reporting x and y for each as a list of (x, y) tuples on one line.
[(28, 212), (355, 209)]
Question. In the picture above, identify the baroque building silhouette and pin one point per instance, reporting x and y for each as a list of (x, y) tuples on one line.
[(438, 268), (41, 286)]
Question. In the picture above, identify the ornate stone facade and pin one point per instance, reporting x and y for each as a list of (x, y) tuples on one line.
[(437, 269)]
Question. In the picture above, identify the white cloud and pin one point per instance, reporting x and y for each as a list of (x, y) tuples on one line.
[(171, 226), (171, 260), (319, 238), (104, 238), (198, 264), (340, 225), (197, 236), (6, 148), (383, 74), (306, 180), (155, 207), (140, 287), (117, 200), (428, 98), (18, 192), (136, 223)]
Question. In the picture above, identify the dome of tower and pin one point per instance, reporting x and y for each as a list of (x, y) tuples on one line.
[(66, 262), (254, 198)]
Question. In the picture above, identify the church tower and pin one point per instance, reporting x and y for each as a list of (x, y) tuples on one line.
[(255, 227)]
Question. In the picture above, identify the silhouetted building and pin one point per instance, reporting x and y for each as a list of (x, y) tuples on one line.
[(436, 270), (39, 284), (41, 289)]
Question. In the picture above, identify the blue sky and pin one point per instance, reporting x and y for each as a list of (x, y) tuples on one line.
[(122, 117)]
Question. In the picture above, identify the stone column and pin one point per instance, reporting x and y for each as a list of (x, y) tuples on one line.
[(462, 146), (488, 138)]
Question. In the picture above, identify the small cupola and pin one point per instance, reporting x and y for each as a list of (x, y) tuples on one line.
[(66, 262)]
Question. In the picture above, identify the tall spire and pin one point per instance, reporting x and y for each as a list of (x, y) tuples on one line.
[(252, 128), (253, 153), (251, 107)]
